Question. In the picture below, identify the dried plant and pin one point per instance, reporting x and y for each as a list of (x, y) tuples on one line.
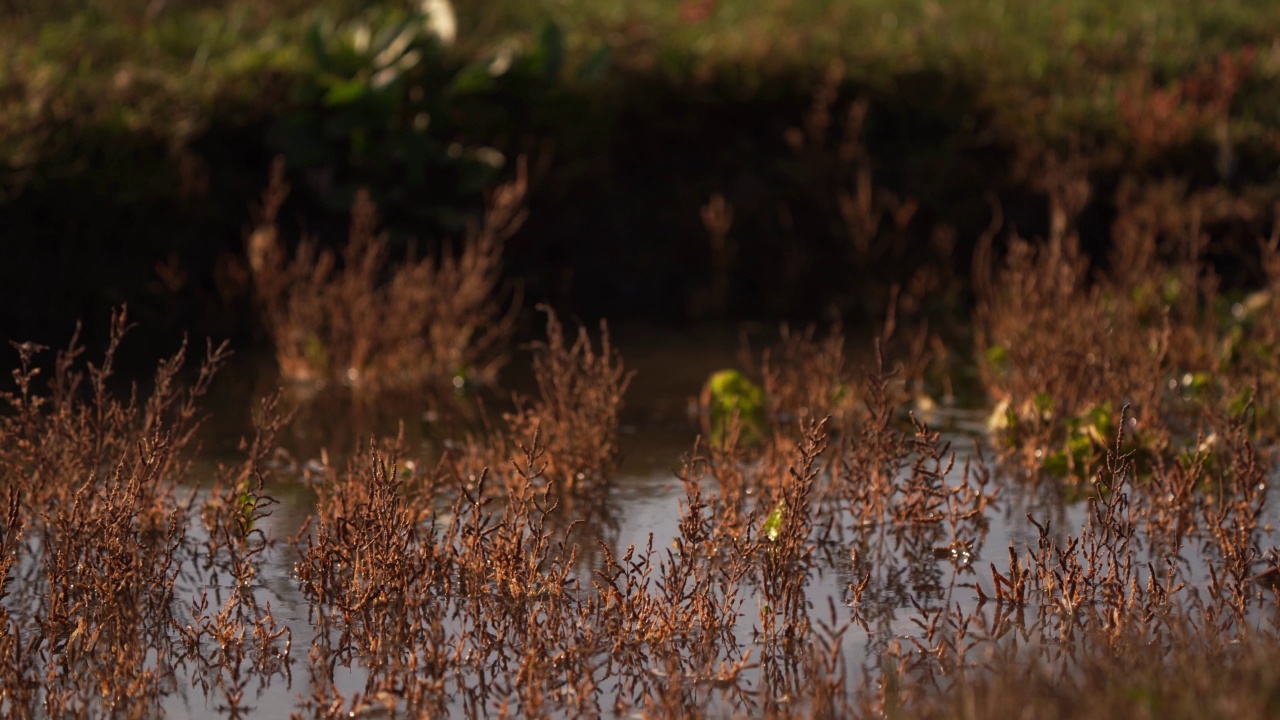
[(477, 587), (1062, 347), (99, 535), (1160, 118), (361, 321)]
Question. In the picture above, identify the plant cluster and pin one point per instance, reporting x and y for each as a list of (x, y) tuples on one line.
[(478, 586), (1064, 343), (384, 102), (106, 593), (449, 595), (361, 321)]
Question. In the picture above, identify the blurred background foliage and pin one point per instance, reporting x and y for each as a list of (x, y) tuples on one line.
[(136, 134)]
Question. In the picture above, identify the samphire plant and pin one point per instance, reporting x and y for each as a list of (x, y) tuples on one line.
[(358, 320)]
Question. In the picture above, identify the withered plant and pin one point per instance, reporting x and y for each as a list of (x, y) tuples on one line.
[(840, 567), (575, 415), (1063, 346), (239, 642), (107, 580), (573, 418), (1162, 118), (806, 378), (103, 528), (362, 321), (1088, 621)]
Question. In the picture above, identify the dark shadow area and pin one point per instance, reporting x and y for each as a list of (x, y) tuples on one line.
[(614, 227)]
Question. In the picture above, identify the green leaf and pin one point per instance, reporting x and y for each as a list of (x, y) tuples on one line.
[(246, 503), (316, 45), (473, 79), (1044, 404), (731, 389), (345, 92), (551, 50), (1080, 446), (727, 392), (1056, 464), (998, 358), (1099, 424), (596, 65), (1238, 405), (316, 355), (772, 527), (1200, 382)]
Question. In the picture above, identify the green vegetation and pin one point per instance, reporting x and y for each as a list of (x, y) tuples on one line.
[(730, 402), (1059, 68), (158, 120)]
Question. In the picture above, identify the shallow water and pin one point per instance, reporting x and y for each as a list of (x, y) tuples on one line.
[(644, 500)]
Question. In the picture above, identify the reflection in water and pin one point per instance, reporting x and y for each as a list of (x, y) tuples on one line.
[(877, 580), (416, 559)]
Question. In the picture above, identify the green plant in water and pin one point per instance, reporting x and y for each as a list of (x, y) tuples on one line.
[(1010, 423), (997, 357), (246, 505), (772, 528), (1088, 435), (728, 393), (316, 355), (1084, 437)]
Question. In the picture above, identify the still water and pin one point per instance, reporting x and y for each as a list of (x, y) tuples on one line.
[(643, 502)]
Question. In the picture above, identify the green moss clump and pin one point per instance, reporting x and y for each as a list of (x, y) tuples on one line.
[(728, 393)]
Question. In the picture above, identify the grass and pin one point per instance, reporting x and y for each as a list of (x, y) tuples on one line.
[(1053, 70), (161, 128)]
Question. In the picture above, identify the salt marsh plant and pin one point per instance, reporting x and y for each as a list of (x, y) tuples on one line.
[(98, 538), (1063, 344), (575, 414), (360, 320), (473, 586)]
